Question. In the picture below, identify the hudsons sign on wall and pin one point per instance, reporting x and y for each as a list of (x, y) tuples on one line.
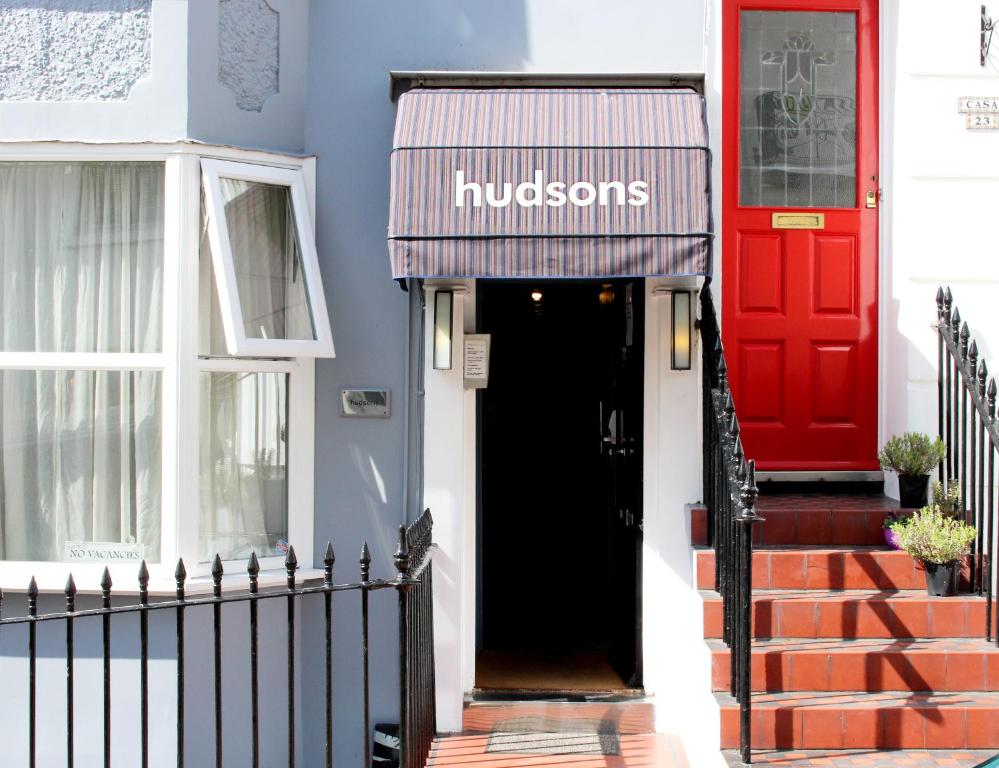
[(549, 182)]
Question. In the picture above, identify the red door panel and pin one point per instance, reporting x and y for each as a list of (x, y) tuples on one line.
[(799, 306)]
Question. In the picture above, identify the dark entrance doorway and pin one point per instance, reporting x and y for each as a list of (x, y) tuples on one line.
[(560, 478)]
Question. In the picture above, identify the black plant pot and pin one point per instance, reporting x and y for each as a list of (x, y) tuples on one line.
[(912, 490), (941, 578)]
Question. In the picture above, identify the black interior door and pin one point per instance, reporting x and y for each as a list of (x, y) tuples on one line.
[(621, 448)]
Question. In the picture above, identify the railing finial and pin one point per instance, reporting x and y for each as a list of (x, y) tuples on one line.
[(983, 376), (32, 597), (143, 583), (749, 492), (729, 406), (992, 398), (948, 301), (328, 560), (180, 576), (70, 592), (290, 566), (106, 582), (401, 557), (940, 304), (217, 572), (955, 325), (965, 335), (253, 571), (973, 356), (365, 562)]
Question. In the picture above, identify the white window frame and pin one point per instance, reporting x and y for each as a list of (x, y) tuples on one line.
[(181, 366), (223, 261)]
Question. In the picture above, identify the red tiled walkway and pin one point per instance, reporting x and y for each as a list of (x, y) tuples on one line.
[(644, 750), (866, 759)]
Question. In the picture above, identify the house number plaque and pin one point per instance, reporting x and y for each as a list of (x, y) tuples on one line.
[(980, 112)]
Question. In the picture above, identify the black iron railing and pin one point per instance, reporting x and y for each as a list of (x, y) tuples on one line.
[(412, 583), (730, 495), (967, 422)]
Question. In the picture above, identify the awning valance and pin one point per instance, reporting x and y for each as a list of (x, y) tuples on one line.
[(561, 183)]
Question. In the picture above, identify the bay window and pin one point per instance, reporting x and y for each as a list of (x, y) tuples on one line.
[(159, 320)]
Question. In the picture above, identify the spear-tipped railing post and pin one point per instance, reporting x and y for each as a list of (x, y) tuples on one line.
[(365, 563), (106, 585), (329, 560), (748, 496), (32, 673), (217, 573), (253, 573), (403, 585), (70, 592), (290, 566)]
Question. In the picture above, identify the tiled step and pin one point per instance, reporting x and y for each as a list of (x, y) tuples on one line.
[(825, 568), (816, 520), (866, 720), (855, 614), (865, 665), (626, 717), (546, 750), (855, 758)]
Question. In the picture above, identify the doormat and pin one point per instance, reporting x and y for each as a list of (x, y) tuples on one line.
[(554, 744)]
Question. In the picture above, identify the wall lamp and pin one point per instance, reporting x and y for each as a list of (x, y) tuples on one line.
[(443, 329), (681, 332)]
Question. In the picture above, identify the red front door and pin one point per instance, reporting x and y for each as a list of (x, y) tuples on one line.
[(800, 230)]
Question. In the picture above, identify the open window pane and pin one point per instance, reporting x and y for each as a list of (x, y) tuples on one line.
[(244, 465), (264, 262), (81, 257), (80, 464), (268, 260)]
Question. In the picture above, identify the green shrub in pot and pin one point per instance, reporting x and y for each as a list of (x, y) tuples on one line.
[(948, 500), (940, 542), (912, 456)]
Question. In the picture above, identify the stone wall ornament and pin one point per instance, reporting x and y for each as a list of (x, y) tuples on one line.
[(249, 51)]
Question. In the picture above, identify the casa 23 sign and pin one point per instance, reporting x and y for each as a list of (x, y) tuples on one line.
[(538, 192), (980, 112)]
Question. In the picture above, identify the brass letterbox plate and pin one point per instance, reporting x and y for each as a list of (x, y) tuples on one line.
[(798, 221)]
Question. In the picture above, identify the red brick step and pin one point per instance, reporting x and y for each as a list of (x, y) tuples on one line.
[(815, 520), (865, 665), (824, 568), (866, 720), (855, 614)]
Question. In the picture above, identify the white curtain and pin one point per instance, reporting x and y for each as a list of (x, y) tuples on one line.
[(244, 479), (81, 265)]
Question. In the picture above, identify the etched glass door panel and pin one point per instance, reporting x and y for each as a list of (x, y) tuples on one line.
[(798, 109)]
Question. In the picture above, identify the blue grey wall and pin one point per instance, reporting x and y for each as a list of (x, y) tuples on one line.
[(349, 120)]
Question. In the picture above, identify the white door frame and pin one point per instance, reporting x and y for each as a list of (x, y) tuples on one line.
[(672, 460)]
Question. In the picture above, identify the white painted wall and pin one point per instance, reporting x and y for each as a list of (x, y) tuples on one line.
[(677, 659), (941, 197), (86, 110), (152, 70)]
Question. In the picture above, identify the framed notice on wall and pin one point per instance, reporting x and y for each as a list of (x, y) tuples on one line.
[(476, 361)]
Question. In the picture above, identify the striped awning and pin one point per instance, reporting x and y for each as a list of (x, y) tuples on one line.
[(560, 183)]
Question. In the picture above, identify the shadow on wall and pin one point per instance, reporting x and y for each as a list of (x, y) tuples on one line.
[(360, 462)]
